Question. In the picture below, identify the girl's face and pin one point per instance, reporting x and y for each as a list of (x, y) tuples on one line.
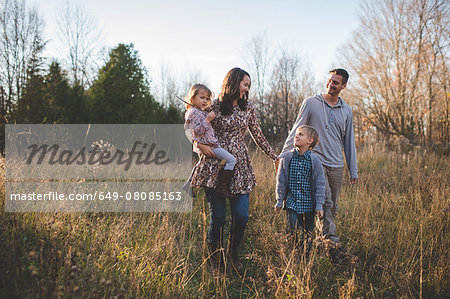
[(244, 87), (201, 99)]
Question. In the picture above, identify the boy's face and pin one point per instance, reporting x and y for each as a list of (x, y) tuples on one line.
[(302, 139)]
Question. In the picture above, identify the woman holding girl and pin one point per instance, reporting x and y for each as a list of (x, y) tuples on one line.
[(234, 115), (198, 124)]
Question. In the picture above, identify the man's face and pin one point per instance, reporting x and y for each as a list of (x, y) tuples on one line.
[(334, 84)]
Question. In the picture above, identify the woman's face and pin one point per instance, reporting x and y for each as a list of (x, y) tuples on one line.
[(244, 87)]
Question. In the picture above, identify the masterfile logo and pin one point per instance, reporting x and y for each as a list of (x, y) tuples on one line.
[(96, 156), (97, 168)]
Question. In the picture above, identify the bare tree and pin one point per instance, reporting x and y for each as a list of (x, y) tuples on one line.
[(20, 45), (280, 82), (81, 40), (435, 59), (291, 82), (399, 57), (190, 78), (172, 85), (167, 89), (257, 57)]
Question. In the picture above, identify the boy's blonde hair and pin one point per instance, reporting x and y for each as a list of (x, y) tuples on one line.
[(311, 133), (195, 89)]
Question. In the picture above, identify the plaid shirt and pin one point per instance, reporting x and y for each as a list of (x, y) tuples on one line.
[(299, 197)]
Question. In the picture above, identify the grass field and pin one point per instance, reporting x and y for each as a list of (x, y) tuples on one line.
[(394, 224)]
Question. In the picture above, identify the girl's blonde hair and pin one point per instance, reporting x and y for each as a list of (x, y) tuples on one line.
[(195, 89)]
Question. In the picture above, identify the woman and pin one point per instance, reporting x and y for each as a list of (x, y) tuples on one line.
[(234, 115)]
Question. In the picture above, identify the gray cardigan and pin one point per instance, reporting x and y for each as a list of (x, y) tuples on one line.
[(317, 180)]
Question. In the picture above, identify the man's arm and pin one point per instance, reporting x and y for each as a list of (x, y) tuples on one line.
[(319, 182), (350, 149), (281, 182)]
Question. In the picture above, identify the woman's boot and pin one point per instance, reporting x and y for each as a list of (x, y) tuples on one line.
[(235, 260), (237, 232), (223, 183)]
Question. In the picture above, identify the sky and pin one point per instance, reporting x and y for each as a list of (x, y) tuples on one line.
[(210, 36)]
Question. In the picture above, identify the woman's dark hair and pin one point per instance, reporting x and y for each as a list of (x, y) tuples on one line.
[(230, 91)]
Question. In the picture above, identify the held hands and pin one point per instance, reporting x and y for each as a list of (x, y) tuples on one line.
[(275, 164), (210, 116)]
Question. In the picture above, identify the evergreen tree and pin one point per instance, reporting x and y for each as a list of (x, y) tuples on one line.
[(33, 106), (69, 103), (77, 107), (173, 115), (57, 91), (121, 93)]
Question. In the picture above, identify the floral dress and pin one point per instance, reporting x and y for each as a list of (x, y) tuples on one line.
[(231, 130)]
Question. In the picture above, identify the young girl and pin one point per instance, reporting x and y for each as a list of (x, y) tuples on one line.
[(198, 122)]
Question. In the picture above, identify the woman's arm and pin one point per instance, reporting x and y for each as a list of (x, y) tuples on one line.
[(257, 134), (281, 182), (205, 149)]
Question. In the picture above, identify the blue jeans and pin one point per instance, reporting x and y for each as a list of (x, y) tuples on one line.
[(303, 222), (222, 154), (300, 226), (217, 210)]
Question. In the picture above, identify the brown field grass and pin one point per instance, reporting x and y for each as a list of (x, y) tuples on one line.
[(394, 224)]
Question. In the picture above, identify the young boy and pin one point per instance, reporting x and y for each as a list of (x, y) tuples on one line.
[(301, 185)]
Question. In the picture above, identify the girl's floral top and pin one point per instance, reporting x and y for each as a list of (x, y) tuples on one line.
[(201, 130)]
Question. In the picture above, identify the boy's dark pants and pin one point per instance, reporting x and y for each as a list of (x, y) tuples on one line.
[(300, 225)]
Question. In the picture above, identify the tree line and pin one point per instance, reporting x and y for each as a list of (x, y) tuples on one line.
[(35, 91), (397, 58), (32, 92)]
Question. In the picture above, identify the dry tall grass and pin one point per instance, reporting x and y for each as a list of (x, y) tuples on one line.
[(394, 224)]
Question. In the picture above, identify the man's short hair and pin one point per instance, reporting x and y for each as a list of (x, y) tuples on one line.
[(311, 133), (340, 72)]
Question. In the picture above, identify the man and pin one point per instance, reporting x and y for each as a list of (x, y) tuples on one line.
[(333, 119)]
